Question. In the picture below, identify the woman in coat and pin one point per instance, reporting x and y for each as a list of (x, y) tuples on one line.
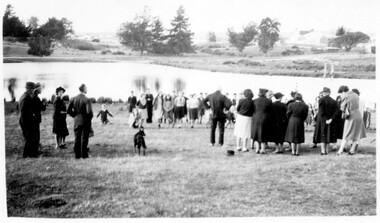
[(353, 125), (59, 119), (260, 121), (242, 129), (295, 132), (158, 110), (324, 129), (142, 109), (280, 122)]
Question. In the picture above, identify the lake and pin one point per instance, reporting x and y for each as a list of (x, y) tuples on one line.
[(116, 80)]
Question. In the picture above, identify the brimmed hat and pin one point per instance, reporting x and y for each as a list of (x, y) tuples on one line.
[(59, 89), (278, 95), (37, 85), (356, 91), (343, 88), (29, 85), (326, 90)]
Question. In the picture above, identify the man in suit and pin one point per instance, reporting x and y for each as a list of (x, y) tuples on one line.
[(219, 105), (149, 105), (38, 107), (28, 122), (132, 101), (81, 110)]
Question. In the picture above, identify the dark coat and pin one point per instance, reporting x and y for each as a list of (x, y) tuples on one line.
[(261, 124), (297, 113), (280, 122), (327, 109), (339, 121), (27, 117), (132, 101), (149, 100), (80, 109), (37, 107), (245, 107), (59, 118), (218, 104)]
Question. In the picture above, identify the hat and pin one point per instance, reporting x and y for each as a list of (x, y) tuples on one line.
[(81, 87), (263, 91), (343, 88), (298, 96), (59, 89), (29, 85), (230, 152), (326, 90), (278, 95), (356, 91), (37, 85)]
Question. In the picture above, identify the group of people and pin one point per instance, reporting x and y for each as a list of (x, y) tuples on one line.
[(258, 121)]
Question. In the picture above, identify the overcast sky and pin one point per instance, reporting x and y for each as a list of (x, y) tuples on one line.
[(206, 15)]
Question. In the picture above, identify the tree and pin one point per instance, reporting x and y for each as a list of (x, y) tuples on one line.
[(340, 31), (33, 22), (180, 37), (158, 38), (350, 40), (57, 29), (242, 39), (13, 26), (211, 37), (269, 34), (137, 34), (40, 45)]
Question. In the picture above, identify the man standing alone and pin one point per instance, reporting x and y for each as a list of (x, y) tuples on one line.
[(132, 101), (28, 121), (81, 110), (149, 105), (219, 105)]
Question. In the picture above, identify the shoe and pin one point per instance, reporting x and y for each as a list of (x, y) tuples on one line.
[(351, 154), (179, 126), (263, 152), (257, 151), (238, 149), (192, 127), (313, 146), (211, 144), (296, 154), (278, 152), (322, 154)]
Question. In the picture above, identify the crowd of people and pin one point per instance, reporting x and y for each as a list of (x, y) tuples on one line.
[(256, 122)]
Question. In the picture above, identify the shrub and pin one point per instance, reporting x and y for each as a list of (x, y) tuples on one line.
[(96, 40), (40, 46), (80, 44), (93, 100), (106, 51), (103, 100), (118, 53), (228, 62)]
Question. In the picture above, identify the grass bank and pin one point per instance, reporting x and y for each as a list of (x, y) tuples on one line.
[(181, 176)]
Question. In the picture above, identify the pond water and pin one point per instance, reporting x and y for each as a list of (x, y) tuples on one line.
[(116, 80)]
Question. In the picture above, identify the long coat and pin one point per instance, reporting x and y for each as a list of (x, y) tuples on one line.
[(280, 122), (80, 109), (218, 104), (327, 109), (59, 118), (297, 113), (339, 122), (261, 124)]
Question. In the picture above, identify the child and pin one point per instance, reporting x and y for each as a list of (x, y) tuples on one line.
[(134, 119), (103, 114)]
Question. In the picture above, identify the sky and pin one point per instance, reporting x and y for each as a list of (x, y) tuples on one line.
[(206, 15)]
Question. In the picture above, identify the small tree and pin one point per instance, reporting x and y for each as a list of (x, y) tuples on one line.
[(40, 45), (57, 29), (269, 34), (33, 22), (13, 26), (180, 37), (211, 37), (242, 39), (340, 31), (350, 40), (158, 38)]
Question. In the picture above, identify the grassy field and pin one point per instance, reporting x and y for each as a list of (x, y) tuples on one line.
[(181, 176)]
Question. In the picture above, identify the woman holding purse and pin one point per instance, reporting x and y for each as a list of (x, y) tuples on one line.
[(353, 125)]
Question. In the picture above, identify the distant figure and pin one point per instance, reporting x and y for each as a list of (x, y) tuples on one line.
[(179, 109), (132, 101), (142, 105), (261, 124), (295, 132), (353, 126), (38, 107), (149, 105), (59, 119), (280, 122), (242, 129), (103, 114), (367, 118), (80, 109), (324, 129), (201, 108), (158, 108), (193, 105), (217, 102), (168, 107), (28, 122)]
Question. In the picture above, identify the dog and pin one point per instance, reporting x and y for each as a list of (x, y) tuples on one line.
[(140, 141)]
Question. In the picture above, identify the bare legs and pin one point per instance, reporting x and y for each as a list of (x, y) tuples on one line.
[(295, 148), (353, 149), (60, 141), (324, 148)]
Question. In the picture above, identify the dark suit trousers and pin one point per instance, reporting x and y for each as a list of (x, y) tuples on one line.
[(149, 108), (81, 141), (30, 135), (220, 122)]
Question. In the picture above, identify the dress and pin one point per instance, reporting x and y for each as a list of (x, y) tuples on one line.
[(179, 107), (59, 119), (327, 109), (353, 126), (142, 109), (168, 107), (280, 122), (243, 123), (297, 113), (192, 105), (261, 124), (158, 109)]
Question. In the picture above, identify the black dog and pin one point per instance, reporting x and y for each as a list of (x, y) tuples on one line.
[(140, 141)]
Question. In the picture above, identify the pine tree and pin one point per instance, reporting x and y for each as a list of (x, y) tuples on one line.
[(180, 37)]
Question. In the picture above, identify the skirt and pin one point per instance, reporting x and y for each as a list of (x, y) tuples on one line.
[(143, 113), (243, 126), (354, 127), (193, 113), (179, 112)]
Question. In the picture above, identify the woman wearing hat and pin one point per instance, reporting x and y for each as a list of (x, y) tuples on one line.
[(295, 132), (280, 122), (353, 126), (142, 109), (59, 119), (324, 129), (260, 121)]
